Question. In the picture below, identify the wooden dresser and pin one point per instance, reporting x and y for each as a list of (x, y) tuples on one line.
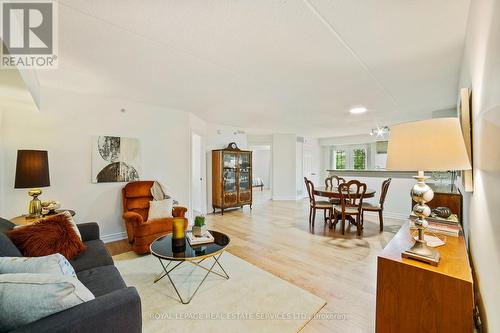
[(416, 297)]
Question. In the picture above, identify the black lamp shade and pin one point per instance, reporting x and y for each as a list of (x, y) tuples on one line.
[(32, 169)]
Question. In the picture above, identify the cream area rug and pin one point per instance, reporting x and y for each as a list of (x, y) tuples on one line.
[(251, 300)]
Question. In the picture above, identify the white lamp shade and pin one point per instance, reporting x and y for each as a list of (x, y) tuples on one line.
[(427, 145)]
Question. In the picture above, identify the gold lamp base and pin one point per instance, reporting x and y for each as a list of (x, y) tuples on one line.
[(35, 205), (421, 193), (421, 252)]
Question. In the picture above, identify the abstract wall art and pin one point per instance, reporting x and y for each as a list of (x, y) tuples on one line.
[(115, 159)]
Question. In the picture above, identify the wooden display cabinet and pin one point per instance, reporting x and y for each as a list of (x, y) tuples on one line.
[(231, 178)]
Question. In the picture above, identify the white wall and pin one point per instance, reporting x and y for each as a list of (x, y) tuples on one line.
[(284, 166), (262, 164), (197, 175), (64, 127), (481, 71), (259, 140), (299, 171)]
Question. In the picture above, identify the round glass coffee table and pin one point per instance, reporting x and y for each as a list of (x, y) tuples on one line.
[(179, 250)]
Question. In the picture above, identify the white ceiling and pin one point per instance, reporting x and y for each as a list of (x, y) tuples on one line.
[(267, 65)]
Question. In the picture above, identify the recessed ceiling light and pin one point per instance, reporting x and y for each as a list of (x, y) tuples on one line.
[(358, 109)]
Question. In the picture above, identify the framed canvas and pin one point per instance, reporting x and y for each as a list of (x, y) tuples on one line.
[(466, 118), (115, 159)]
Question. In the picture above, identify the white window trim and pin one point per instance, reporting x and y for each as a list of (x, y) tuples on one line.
[(349, 149)]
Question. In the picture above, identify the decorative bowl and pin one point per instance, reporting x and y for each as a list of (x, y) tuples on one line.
[(442, 212)]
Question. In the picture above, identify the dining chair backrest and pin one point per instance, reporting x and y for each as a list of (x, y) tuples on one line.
[(310, 190), (383, 192), (329, 181), (352, 194)]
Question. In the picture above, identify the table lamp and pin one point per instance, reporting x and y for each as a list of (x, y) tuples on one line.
[(32, 171), (426, 145)]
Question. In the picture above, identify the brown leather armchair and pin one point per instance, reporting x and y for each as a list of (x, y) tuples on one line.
[(141, 232)]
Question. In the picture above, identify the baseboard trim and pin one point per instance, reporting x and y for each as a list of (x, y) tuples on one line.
[(114, 237)]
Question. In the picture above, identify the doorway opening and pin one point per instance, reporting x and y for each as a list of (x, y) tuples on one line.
[(262, 173), (198, 176)]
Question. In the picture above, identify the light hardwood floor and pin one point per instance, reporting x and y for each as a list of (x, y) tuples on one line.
[(275, 236)]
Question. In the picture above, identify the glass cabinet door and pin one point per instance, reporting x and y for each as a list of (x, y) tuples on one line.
[(244, 161), (229, 160), (229, 180), (244, 180)]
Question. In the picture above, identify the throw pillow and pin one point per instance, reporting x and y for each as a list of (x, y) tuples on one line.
[(51, 264), (159, 209), (73, 223), (29, 297), (53, 234)]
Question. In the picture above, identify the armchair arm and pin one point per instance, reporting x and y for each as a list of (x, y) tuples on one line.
[(179, 211), (133, 218), (132, 221), (118, 311), (89, 231)]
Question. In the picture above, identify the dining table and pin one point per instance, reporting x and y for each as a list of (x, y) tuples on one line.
[(333, 192)]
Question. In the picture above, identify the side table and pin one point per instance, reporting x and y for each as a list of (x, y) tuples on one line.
[(25, 219)]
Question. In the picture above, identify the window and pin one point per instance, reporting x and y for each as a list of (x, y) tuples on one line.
[(340, 159), (359, 158), (350, 157)]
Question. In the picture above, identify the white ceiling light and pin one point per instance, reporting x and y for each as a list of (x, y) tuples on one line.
[(358, 110)]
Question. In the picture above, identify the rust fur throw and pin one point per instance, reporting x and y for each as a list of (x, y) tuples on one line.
[(50, 235)]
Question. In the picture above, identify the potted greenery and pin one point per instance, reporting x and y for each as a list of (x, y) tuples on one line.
[(199, 227)]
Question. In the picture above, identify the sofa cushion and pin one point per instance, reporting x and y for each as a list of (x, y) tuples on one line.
[(29, 297), (101, 280), (52, 264), (7, 248), (96, 255)]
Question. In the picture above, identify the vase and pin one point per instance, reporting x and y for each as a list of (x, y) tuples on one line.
[(178, 228), (178, 247)]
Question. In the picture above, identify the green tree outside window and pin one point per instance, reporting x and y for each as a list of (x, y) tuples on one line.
[(359, 156), (340, 159)]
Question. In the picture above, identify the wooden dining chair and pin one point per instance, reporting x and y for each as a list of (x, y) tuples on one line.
[(369, 207), (333, 181), (315, 205), (350, 207)]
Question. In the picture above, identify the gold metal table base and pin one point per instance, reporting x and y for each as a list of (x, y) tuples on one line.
[(197, 264)]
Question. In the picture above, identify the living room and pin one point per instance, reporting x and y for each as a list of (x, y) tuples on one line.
[(243, 122)]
